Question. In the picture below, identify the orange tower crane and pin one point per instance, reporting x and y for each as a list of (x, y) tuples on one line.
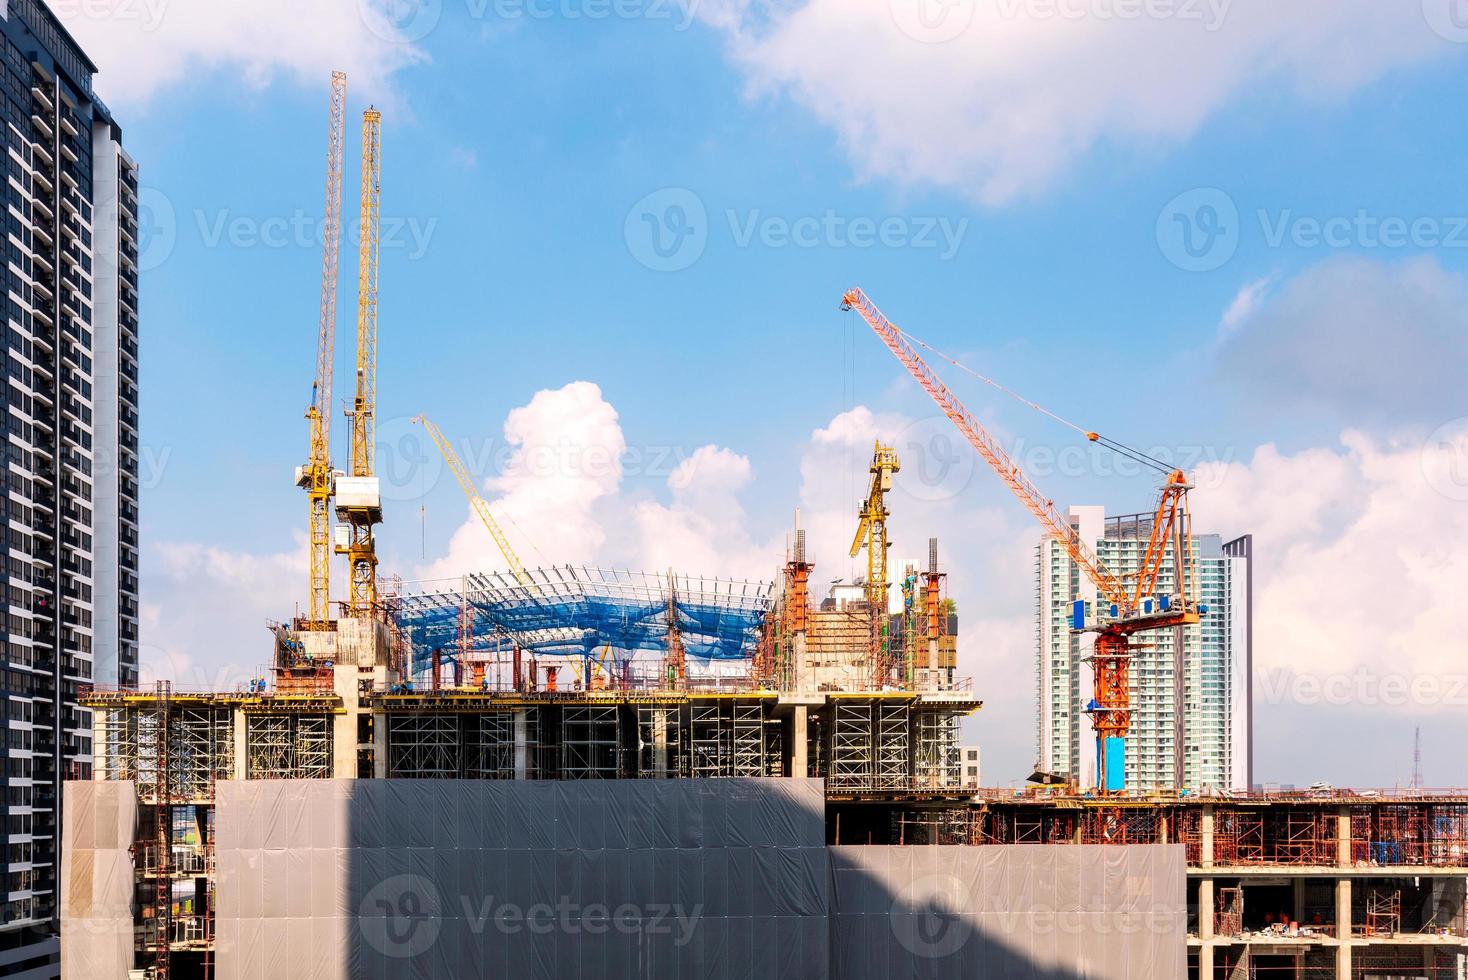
[(1132, 608), (316, 477)]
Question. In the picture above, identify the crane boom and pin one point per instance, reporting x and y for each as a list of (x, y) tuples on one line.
[(316, 476), (359, 498), (481, 507), (1132, 611), (364, 407), (1110, 585)]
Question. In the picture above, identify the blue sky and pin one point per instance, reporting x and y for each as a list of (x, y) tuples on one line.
[(1201, 237)]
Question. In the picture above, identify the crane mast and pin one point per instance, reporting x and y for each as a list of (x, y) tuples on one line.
[(359, 502), (481, 507), (1130, 610), (316, 476)]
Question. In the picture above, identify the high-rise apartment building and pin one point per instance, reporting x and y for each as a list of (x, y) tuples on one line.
[(1209, 739), (71, 448)]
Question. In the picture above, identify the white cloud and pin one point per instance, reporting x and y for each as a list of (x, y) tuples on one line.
[(1359, 563), (143, 46), (203, 624), (1366, 340), (565, 460), (1245, 302), (1019, 90)]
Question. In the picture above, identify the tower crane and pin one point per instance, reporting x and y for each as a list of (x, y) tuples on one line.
[(316, 476), (1131, 609), (358, 496), (481, 507), (871, 532)]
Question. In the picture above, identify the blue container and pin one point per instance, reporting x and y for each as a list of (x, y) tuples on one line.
[(1165, 601), (1147, 606), (1078, 614), (1115, 749), (1202, 609), (1115, 610)]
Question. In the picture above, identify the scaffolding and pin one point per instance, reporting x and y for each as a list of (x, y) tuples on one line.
[(493, 746), (423, 746), (1383, 912), (591, 742), (288, 746), (733, 738), (936, 760), (946, 826), (661, 749), (1228, 921)]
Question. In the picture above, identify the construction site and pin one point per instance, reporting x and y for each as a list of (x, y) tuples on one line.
[(786, 759)]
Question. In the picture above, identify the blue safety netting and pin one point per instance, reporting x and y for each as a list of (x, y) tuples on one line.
[(585, 612)]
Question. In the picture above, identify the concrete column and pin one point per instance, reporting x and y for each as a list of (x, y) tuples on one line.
[(1297, 907), (1205, 962), (1343, 838), (1205, 909), (1206, 843), (1343, 928), (240, 727), (522, 747), (344, 725), (799, 742), (379, 746), (660, 743)]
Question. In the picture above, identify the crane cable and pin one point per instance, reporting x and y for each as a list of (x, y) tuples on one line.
[(1112, 444)]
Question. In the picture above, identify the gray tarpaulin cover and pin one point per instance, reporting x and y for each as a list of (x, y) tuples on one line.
[(721, 878), (469, 878), (99, 822), (1042, 912)]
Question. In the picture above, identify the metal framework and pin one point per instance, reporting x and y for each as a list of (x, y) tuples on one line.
[(936, 760), (423, 746), (591, 742), (588, 613), (316, 476), (288, 746)]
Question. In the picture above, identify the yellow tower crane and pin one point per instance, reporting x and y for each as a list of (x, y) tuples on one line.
[(316, 476), (480, 505), (358, 496), (871, 532)]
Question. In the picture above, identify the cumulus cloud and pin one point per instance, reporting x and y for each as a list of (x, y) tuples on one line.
[(999, 99), (1359, 566), (143, 46), (203, 624), (1366, 340)]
